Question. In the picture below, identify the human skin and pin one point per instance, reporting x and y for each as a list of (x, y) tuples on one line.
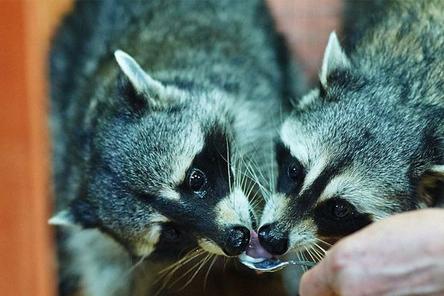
[(400, 255)]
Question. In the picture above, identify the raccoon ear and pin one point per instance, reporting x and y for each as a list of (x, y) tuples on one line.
[(147, 91), (79, 213), (63, 218), (334, 59), (431, 187)]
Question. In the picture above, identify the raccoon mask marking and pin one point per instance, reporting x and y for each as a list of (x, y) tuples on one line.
[(350, 154), (157, 161)]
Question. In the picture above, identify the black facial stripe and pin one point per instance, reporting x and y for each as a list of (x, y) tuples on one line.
[(303, 204), (285, 159), (282, 152), (329, 226), (214, 161), (194, 211)]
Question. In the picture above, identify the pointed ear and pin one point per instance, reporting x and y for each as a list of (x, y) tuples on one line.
[(334, 59), (431, 187), (148, 92), (63, 218), (79, 213)]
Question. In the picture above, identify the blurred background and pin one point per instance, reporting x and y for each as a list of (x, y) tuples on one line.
[(27, 263)]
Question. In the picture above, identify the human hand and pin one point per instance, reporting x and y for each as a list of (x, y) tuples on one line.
[(400, 255)]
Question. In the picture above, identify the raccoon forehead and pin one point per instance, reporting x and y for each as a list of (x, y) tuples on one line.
[(297, 144), (153, 155), (304, 147)]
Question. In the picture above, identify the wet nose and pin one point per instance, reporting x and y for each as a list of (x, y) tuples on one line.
[(274, 242), (237, 242)]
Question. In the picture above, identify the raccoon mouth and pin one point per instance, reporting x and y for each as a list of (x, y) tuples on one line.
[(260, 260), (255, 249), (255, 253)]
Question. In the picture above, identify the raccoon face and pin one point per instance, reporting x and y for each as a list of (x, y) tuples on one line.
[(164, 159), (352, 153)]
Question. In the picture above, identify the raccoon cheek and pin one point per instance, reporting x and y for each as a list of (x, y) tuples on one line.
[(147, 244), (303, 234), (210, 246)]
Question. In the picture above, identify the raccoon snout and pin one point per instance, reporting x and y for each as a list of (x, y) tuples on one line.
[(274, 242), (237, 241)]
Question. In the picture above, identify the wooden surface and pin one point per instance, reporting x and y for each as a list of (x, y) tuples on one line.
[(26, 256)]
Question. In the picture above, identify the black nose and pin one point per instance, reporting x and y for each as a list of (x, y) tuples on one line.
[(274, 242), (237, 242)]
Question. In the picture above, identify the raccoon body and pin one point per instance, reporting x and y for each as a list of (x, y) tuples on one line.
[(369, 141), (161, 112), (358, 18)]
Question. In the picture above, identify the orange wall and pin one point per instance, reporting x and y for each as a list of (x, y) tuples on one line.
[(26, 262)]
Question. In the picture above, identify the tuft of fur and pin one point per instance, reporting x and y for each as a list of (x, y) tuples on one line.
[(143, 94), (369, 141)]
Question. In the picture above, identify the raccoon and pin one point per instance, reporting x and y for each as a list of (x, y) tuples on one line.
[(358, 18), (160, 111), (368, 142)]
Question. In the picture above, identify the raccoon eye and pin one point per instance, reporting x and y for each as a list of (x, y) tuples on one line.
[(295, 172), (196, 180), (171, 234), (342, 210)]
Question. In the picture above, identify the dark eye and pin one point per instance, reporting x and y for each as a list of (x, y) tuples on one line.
[(197, 180), (342, 210), (295, 172), (171, 234)]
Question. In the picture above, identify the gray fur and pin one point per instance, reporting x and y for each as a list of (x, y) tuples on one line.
[(372, 134), (359, 17), (121, 150)]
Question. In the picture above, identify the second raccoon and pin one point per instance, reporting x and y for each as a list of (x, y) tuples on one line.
[(369, 141)]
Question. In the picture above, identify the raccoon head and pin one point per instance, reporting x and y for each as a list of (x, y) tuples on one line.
[(161, 155), (354, 151)]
